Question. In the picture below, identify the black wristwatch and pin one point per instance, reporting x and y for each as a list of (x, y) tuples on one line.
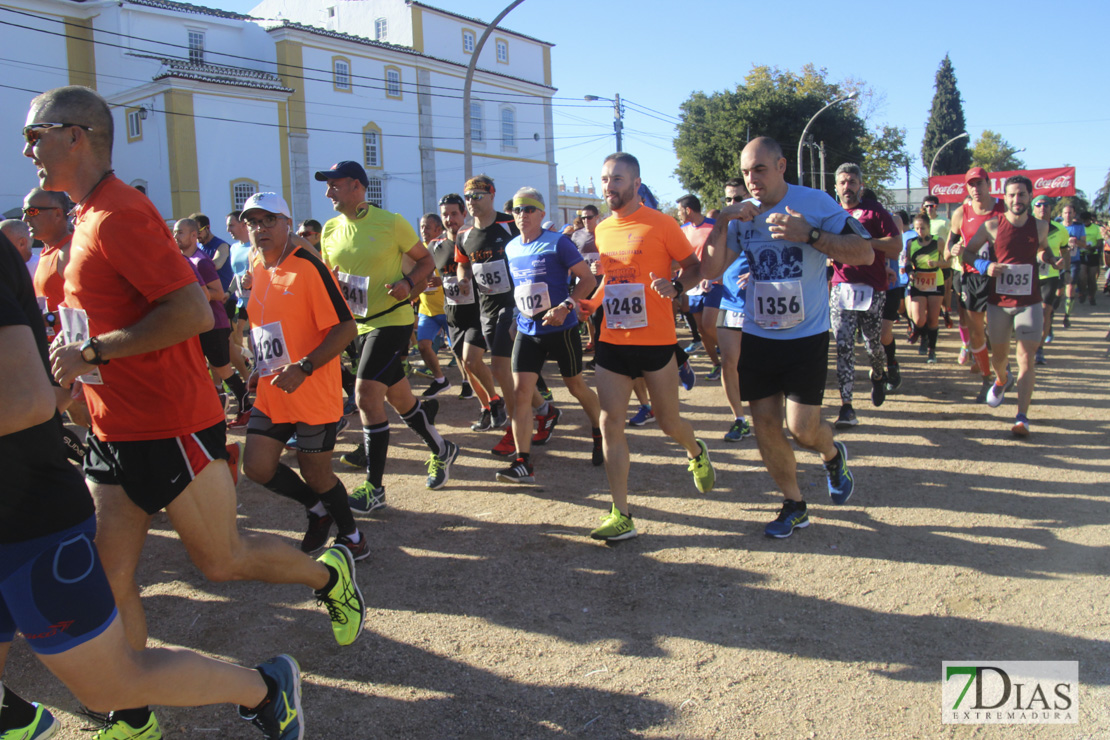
[(678, 286), (90, 352), (306, 366), (814, 235)]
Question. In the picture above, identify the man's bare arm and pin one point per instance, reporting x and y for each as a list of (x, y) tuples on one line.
[(26, 394)]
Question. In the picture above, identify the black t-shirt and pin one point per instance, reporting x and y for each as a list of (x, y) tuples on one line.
[(443, 254), (40, 491), (487, 246)]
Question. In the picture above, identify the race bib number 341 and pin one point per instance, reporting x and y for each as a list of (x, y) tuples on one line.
[(354, 291)]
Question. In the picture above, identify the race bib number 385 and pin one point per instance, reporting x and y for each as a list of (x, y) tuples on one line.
[(492, 277)]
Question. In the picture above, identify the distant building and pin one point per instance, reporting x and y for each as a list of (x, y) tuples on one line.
[(573, 199)]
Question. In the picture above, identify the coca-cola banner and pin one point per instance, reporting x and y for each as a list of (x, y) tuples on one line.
[(1053, 182)]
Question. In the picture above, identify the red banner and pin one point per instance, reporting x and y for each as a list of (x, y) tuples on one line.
[(1053, 182)]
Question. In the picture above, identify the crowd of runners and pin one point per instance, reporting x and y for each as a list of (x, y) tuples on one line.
[(303, 325)]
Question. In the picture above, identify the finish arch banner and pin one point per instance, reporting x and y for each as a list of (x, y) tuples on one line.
[(1053, 182)]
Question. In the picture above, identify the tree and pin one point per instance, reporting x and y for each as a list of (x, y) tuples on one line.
[(995, 154), (1101, 203), (884, 158), (946, 120)]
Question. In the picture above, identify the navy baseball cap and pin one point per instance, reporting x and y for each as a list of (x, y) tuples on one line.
[(345, 168)]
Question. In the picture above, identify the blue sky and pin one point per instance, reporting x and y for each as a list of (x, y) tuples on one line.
[(1033, 72)]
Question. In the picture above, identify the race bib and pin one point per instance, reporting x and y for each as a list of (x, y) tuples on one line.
[(925, 281), (696, 290), (532, 298), (625, 307), (778, 304), (1015, 280), (270, 352), (854, 296), (734, 319), (354, 292), (452, 295), (75, 329), (492, 278)]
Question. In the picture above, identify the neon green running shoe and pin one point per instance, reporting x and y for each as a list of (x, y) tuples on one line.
[(704, 477), (344, 600), (117, 729), (42, 726), (614, 527)]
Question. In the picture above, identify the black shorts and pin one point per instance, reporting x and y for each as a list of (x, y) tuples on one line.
[(460, 335), (565, 347), (497, 328), (894, 298), (153, 472), (946, 273), (231, 306), (382, 354), (797, 368), (242, 313), (915, 293), (216, 344), (633, 360), (974, 290), (1050, 286), (310, 437)]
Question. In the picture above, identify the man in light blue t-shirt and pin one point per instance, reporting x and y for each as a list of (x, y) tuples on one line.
[(787, 233)]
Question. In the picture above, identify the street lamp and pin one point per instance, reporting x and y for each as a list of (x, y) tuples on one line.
[(618, 121), (934, 162), (469, 82), (851, 96)]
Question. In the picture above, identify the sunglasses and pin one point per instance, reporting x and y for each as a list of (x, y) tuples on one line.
[(34, 132), (734, 198), (32, 211), (448, 200), (525, 209), (266, 222), (1040, 204), (306, 234), (929, 205), (587, 216), (475, 196)]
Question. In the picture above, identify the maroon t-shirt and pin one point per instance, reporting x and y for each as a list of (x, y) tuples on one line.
[(879, 223), (1017, 245)]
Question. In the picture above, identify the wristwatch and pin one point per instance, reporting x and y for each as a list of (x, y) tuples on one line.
[(568, 304), (678, 286), (90, 352), (306, 366), (814, 235)]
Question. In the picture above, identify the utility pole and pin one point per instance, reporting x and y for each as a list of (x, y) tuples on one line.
[(821, 151)]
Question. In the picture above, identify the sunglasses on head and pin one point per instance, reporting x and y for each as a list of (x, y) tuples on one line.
[(524, 209), (33, 211), (34, 131)]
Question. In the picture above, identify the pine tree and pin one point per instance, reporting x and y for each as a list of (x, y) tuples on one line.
[(946, 120)]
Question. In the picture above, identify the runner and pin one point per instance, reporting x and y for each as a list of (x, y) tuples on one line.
[(365, 245), (704, 299), (540, 262), (926, 291), (788, 233), (1014, 303), (939, 227), (133, 310), (1077, 243), (1050, 272), (1092, 256), (637, 246), (430, 317)]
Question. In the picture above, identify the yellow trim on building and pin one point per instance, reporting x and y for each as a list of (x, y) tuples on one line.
[(181, 144), (400, 86), (496, 51), (473, 35), (417, 29), (241, 181), (127, 113), (292, 117), (373, 128), (494, 156), (547, 65), (80, 52), (335, 75), (283, 146)]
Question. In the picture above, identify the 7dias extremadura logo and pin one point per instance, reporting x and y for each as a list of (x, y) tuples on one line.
[(1010, 692)]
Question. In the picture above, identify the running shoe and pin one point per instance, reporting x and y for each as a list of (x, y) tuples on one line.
[(439, 466), (615, 526), (1067, 321), (344, 599), (427, 373), (1039, 358), (241, 420), (117, 729), (356, 458), (643, 416), (847, 417), (234, 458), (686, 376), (965, 355), (291, 443), (792, 516), (714, 374), (597, 456), (841, 483), (500, 415), (984, 389), (923, 348), (546, 424), (702, 469), (341, 425), (932, 358), (692, 347), (997, 393), (547, 395), (316, 536), (878, 390), (739, 429), (893, 377), (280, 718), (349, 407), (1021, 426), (466, 392), (518, 472), (484, 423), (506, 447), (1048, 338), (437, 387), (42, 726), (359, 550), (366, 498)]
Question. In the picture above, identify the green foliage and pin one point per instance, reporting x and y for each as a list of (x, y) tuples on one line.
[(884, 160), (946, 120), (995, 154), (1101, 203)]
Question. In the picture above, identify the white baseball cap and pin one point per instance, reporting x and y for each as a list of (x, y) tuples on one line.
[(269, 202)]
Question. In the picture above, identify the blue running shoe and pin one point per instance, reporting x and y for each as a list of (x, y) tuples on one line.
[(643, 416), (714, 374), (739, 429), (281, 718), (792, 516), (841, 483), (686, 376)]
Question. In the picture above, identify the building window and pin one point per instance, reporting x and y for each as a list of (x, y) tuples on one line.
[(503, 51), (372, 146), (468, 41), (379, 29), (134, 124), (392, 82), (196, 47), (331, 11), (341, 74), (242, 189), (508, 128), (476, 121), (374, 192)]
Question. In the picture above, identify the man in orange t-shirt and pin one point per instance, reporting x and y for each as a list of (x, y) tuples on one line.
[(132, 313), (299, 326), (637, 246)]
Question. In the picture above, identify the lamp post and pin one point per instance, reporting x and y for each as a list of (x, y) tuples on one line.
[(801, 140), (618, 120), (934, 162), (467, 148)]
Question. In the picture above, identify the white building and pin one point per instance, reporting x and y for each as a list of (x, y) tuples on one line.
[(212, 106)]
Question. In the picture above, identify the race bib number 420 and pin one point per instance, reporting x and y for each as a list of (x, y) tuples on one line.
[(270, 352), (1015, 280), (778, 304), (354, 291), (625, 307)]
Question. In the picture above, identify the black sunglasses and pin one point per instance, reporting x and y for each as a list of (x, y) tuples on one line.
[(524, 209)]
